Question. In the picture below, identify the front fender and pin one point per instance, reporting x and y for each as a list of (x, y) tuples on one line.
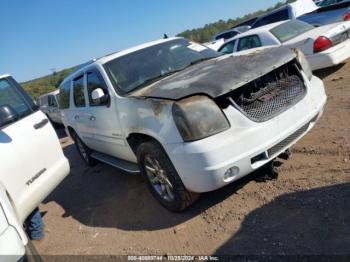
[(148, 116)]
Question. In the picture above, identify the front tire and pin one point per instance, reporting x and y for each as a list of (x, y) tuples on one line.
[(84, 151), (162, 178)]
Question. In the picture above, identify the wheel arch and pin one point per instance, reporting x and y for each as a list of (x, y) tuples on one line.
[(184, 197), (135, 139)]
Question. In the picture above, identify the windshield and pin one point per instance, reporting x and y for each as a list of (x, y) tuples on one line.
[(134, 70), (290, 29)]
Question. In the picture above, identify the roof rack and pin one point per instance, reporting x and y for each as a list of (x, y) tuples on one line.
[(84, 64), (78, 67)]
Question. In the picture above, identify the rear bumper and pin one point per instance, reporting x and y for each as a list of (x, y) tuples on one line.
[(330, 57), (203, 164)]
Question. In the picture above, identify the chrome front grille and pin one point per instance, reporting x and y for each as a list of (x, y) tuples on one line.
[(273, 99), (269, 95)]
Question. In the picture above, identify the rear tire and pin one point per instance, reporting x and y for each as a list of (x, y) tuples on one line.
[(84, 151), (162, 178)]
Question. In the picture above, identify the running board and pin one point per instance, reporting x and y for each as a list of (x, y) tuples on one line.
[(116, 162)]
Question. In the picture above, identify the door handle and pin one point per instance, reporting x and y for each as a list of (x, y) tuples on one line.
[(92, 118), (76, 117), (41, 124)]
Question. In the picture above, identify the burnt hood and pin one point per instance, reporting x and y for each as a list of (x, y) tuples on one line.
[(218, 76)]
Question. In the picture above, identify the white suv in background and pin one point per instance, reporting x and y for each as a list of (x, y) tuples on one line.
[(32, 163), (190, 119), (49, 105)]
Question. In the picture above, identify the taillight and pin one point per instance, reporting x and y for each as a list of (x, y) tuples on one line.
[(322, 43), (347, 16)]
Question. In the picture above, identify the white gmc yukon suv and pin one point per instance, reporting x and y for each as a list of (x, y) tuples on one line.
[(190, 119), (32, 165)]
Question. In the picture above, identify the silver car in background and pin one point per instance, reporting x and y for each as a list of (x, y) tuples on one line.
[(49, 105)]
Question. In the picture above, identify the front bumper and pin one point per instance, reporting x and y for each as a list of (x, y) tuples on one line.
[(331, 57), (202, 164)]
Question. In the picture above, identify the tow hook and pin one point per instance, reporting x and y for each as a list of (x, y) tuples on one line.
[(285, 155), (268, 172)]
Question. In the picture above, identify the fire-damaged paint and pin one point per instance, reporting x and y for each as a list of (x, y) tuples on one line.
[(219, 75)]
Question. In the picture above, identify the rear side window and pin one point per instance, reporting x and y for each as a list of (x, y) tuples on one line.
[(228, 48), (248, 42), (78, 91), (64, 95), (290, 30), (273, 18), (11, 96)]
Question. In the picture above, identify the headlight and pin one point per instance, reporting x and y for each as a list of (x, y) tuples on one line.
[(198, 117), (303, 63)]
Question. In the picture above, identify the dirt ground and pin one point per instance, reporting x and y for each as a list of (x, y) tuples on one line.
[(101, 211)]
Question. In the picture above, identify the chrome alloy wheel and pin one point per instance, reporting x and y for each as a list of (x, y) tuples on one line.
[(159, 180)]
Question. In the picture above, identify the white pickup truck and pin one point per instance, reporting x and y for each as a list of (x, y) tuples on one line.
[(190, 119), (32, 165)]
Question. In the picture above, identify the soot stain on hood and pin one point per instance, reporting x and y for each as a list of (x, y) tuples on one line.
[(218, 76)]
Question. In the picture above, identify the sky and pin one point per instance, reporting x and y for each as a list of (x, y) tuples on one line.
[(38, 35)]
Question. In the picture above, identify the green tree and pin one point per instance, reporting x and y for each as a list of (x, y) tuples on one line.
[(205, 34)]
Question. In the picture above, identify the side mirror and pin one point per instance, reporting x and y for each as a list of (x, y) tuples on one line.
[(99, 97), (7, 115)]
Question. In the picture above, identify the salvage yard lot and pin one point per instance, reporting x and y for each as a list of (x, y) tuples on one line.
[(101, 211)]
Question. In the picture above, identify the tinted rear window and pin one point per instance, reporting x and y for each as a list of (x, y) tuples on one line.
[(290, 30), (226, 35), (273, 18)]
